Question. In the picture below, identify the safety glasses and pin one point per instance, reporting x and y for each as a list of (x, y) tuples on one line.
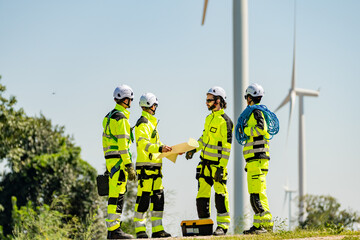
[(210, 100)]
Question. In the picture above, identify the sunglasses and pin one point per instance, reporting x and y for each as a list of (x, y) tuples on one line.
[(210, 100)]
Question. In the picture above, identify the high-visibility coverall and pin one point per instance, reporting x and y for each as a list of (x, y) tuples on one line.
[(116, 146), (148, 168), (256, 154), (215, 145)]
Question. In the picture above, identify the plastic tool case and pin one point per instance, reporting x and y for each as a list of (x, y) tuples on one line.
[(202, 227)]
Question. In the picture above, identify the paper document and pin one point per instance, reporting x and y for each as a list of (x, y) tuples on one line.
[(179, 148)]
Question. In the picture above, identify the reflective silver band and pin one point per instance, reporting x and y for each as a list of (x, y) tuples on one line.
[(139, 215), (142, 138), (116, 152), (139, 224), (147, 147), (256, 150), (156, 223), (214, 146), (216, 155), (258, 133), (223, 223), (256, 143), (156, 214), (113, 216), (223, 214), (264, 213), (117, 136), (140, 164)]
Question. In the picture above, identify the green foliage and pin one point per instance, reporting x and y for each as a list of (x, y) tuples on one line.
[(323, 212), (44, 164)]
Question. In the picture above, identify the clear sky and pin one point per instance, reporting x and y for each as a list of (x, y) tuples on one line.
[(64, 59)]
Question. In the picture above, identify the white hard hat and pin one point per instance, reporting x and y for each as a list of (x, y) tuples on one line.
[(255, 90), (217, 91), (147, 100), (123, 91)]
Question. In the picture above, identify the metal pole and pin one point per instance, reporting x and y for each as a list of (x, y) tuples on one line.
[(241, 80), (302, 175)]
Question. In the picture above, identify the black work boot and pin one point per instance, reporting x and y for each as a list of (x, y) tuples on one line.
[(255, 230), (160, 234), (118, 234), (220, 231), (141, 234)]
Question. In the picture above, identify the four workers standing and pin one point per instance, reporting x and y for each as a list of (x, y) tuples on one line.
[(215, 146)]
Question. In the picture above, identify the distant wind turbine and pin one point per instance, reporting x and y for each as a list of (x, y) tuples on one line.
[(288, 192), (293, 92)]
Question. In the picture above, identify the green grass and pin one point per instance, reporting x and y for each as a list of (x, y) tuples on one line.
[(345, 235)]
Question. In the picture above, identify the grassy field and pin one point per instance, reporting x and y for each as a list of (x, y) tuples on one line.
[(325, 235)]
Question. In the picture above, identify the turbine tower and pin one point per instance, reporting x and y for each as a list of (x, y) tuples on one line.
[(241, 81), (288, 192), (293, 92)]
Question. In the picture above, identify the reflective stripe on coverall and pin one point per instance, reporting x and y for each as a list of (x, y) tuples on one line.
[(116, 144), (215, 145), (148, 167), (256, 154)]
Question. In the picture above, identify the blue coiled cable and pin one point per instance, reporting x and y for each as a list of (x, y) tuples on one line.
[(270, 118)]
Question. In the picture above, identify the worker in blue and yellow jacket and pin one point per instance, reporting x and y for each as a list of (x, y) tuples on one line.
[(148, 168), (215, 146), (256, 154), (116, 141)]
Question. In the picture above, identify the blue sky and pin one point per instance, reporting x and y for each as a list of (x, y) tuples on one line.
[(81, 50)]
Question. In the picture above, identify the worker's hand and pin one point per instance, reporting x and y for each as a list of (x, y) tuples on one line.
[(131, 172), (189, 154), (219, 174), (164, 149)]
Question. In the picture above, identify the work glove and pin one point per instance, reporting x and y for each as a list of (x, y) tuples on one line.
[(131, 172), (189, 154), (219, 174)]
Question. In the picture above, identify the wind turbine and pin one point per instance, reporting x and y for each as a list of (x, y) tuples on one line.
[(291, 97), (288, 192), (241, 81)]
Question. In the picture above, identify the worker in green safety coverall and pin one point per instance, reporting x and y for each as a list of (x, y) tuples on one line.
[(215, 145), (256, 154), (148, 168), (116, 144)]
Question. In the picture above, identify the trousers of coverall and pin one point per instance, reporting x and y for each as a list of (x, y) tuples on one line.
[(150, 192), (256, 178), (117, 189), (205, 175)]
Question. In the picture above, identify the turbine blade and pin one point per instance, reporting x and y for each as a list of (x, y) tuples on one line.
[(204, 13), (287, 98), (306, 92), (293, 69)]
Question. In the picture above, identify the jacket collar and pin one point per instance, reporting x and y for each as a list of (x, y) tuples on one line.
[(150, 117), (217, 113), (123, 110)]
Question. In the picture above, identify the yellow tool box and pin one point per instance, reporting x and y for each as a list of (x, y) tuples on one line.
[(201, 227)]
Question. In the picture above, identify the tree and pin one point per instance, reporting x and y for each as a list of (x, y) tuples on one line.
[(44, 164), (324, 212)]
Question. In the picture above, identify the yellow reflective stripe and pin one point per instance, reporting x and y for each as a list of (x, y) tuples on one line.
[(256, 150), (140, 164), (264, 213), (216, 155), (256, 143)]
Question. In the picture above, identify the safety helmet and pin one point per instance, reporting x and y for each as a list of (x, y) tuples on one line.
[(147, 100), (123, 91), (255, 90), (217, 91)]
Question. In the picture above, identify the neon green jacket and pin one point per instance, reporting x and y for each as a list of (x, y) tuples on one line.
[(147, 143), (215, 142), (116, 135), (257, 147)]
